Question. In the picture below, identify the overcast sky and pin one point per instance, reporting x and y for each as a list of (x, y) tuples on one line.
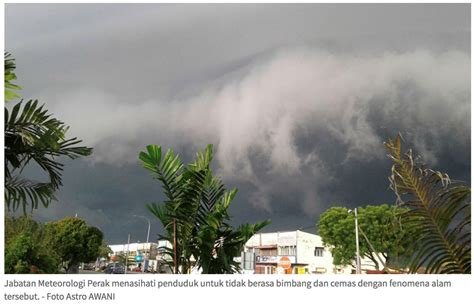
[(297, 99)]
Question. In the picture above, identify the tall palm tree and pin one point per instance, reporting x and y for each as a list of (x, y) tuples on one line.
[(440, 210), (32, 135), (195, 214)]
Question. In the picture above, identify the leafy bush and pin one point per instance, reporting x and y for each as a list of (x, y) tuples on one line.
[(23, 253)]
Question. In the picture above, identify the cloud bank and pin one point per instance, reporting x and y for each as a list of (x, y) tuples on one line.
[(270, 123)]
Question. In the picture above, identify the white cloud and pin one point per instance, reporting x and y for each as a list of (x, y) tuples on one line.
[(260, 113)]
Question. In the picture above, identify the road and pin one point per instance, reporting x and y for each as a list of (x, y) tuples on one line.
[(99, 272), (89, 272)]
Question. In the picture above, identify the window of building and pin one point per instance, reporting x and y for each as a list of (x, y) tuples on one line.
[(259, 269), (318, 251), (268, 251), (287, 250), (248, 260)]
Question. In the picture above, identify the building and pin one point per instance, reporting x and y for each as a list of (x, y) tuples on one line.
[(291, 252), (152, 255), (295, 252)]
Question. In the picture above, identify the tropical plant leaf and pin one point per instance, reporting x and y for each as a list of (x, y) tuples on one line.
[(9, 75), (33, 135), (439, 208), (196, 209), (18, 191)]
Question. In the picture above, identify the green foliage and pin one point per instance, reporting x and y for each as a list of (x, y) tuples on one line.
[(440, 210), (73, 241), (23, 224), (23, 253), (33, 136), (93, 239), (380, 224), (121, 258), (25, 247), (64, 243), (104, 250), (19, 255), (9, 76), (196, 208)]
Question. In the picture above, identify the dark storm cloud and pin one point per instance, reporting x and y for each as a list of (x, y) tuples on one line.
[(297, 99)]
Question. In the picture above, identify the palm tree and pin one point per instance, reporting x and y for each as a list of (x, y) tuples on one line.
[(194, 213), (440, 210), (33, 135), (9, 77)]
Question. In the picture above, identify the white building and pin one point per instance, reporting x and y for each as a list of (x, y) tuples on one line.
[(152, 254), (133, 248), (264, 253), (305, 252)]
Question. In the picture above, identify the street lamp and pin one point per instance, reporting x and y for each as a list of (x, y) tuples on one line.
[(147, 238), (358, 270)]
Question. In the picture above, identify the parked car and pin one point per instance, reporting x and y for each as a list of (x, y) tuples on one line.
[(137, 269), (114, 268)]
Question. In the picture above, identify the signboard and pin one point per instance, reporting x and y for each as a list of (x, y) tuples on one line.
[(273, 259), (284, 262), (267, 258), (138, 258)]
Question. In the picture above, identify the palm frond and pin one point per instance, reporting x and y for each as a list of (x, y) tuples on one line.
[(25, 192), (196, 208), (438, 208), (31, 134), (166, 170), (9, 76)]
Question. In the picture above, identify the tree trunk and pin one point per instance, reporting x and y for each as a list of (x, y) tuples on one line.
[(73, 268)]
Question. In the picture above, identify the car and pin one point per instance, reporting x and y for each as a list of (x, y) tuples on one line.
[(137, 269), (114, 268)]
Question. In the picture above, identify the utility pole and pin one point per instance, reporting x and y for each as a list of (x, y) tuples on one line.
[(126, 258), (381, 260), (358, 270), (175, 257), (145, 262)]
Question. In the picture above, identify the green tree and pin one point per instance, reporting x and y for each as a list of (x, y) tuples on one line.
[(32, 135), (440, 210), (23, 255), (121, 258), (22, 224), (104, 250), (73, 242), (195, 212), (381, 236), (25, 248), (94, 239)]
